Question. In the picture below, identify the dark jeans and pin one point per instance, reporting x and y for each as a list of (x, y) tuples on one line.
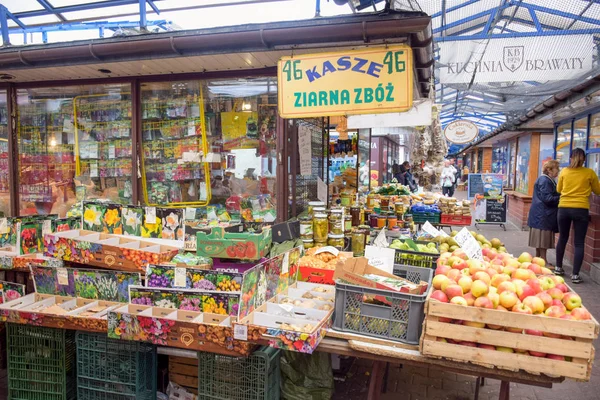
[(448, 191), (580, 218)]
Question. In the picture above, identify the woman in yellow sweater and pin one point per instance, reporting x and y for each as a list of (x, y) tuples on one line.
[(575, 184)]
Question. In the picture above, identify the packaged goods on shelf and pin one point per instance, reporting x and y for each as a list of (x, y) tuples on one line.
[(233, 243)]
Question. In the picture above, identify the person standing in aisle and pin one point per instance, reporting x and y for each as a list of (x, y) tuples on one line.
[(542, 219), (575, 184), (448, 178), (409, 178)]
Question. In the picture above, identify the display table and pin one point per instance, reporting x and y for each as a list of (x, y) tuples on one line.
[(398, 353)]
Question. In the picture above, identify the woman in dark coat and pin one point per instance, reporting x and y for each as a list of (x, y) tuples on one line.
[(542, 219)]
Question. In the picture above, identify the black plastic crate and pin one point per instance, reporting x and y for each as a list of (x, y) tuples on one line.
[(399, 319)]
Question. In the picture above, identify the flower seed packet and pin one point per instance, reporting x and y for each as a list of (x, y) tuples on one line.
[(93, 216), (66, 224), (111, 221), (30, 237), (101, 285), (172, 223), (11, 291), (131, 218)]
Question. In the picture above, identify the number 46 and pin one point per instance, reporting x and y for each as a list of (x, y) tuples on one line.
[(291, 69)]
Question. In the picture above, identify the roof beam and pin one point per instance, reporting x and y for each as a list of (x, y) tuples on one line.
[(449, 10), (50, 9), (535, 20), (464, 20), (591, 31), (153, 6), (561, 13)]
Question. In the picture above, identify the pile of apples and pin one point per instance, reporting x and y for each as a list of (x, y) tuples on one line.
[(502, 282)]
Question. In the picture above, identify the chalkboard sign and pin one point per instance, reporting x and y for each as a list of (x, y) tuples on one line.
[(486, 185), (495, 210), (475, 185)]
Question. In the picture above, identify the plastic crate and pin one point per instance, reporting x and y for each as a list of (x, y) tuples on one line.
[(417, 258), (421, 218), (256, 377), (460, 220), (109, 369), (41, 363), (400, 320)]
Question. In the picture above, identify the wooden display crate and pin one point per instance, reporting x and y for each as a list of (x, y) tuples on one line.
[(571, 339), (184, 372)]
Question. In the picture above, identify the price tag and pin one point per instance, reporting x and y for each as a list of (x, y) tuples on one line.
[(93, 169), (180, 277), (322, 190), (63, 276), (240, 332), (381, 240), (468, 243), (381, 258), (150, 215), (328, 249), (190, 214), (431, 230), (3, 225), (285, 265), (112, 152), (46, 227)]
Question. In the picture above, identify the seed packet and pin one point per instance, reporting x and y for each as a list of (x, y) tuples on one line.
[(131, 219)]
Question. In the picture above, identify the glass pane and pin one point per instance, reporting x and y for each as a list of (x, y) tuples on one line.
[(511, 164), (364, 152), (563, 144), (74, 139), (209, 141), (593, 161), (4, 185), (522, 180), (546, 150), (595, 132), (580, 133)]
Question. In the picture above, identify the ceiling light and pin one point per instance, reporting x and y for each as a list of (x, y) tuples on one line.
[(470, 96), (246, 107)]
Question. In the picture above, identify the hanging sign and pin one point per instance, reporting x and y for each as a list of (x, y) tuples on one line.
[(461, 131), (368, 81)]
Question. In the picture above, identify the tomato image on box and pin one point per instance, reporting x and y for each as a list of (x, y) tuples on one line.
[(233, 243)]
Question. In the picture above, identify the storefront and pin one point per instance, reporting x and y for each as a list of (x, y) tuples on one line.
[(185, 118)]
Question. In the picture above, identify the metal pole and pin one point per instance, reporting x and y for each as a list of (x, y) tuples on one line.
[(136, 135), (143, 14), (4, 26), (318, 9), (13, 149)]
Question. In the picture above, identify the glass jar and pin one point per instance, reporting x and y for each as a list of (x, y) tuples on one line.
[(373, 220), (348, 241), (384, 202), (347, 223), (381, 221), (308, 243), (358, 242), (392, 221), (320, 244), (336, 241), (408, 218), (336, 224), (306, 228), (365, 230), (399, 208), (313, 204), (346, 199), (320, 227), (355, 214), (371, 200)]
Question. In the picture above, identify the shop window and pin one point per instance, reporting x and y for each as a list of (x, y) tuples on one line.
[(594, 139), (546, 150), (580, 133), (209, 142), (563, 144), (74, 143), (4, 183), (593, 162), (499, 160), (522, 167), (512, 159)]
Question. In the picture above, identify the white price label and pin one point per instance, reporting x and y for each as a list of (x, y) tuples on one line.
[(112, 151), (382, 258), (285, 265), (430, 229), (3, 225), (190, 214), (468, 243), (63, 276), (381, 240), (180, 277), (46, 227), (240, 332), (150, 216)]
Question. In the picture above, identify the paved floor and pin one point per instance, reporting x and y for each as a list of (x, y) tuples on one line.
[(418, 383)]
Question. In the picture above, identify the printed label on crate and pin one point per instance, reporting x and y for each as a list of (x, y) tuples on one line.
[(468, 243), (240, 332), (381, 258)]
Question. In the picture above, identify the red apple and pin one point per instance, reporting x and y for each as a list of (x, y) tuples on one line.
[(475, 266), (438, 280), (494, 297), (460, 253), (555, 293), (536, 269), (556, 311), (557, 279), (459, 265), (439, 296), (454, 274), (492, 272), (571, 301), (508, 299), (470, 344), (508, 270), (555, 357), (515, 330), (469, 298), (546, 271), (497, 261), (535, 304), (482, 276), (525, 291), (511, 262), (479, 288), (539, 261), (507, 287), (486, 346), (484, 302), (525, 265), (535, 284), (559, 303), (453, 291), (442, 269), (535, 333), (498, 279), (564, 288), (521, 308), (580, 314), (546, 299), (459, 300)]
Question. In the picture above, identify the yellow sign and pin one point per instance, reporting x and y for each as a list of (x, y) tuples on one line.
[(367, 81)]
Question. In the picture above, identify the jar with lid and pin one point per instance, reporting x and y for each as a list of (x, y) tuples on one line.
[(355, 214), (408, 218), (306, 227), (313, 204), (365, 230), (384, 202), (381, 221), (336, 224), (347, 241), (347, 223), (371, 200), (336, 241), (392, 221), (346, 199), (358, 242), (308, 243), (320, 227), (373, 220)]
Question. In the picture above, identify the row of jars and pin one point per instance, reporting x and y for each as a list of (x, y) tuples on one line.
[(354, 241)]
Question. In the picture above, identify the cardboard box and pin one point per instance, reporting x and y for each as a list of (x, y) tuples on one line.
[(353, 270), (233, 243)]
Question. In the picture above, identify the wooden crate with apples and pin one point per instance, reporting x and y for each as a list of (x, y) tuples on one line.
[(537, 344)]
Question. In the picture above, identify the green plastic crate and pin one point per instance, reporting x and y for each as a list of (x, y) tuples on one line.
[(109, 369), (41, 363), (256, 377), (421, 218)]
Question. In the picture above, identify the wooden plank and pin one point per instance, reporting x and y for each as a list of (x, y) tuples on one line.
[(582, 348), (511, 361), (576, 329), (366, 339), (183, 360), (184, 380), (183, 369)]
